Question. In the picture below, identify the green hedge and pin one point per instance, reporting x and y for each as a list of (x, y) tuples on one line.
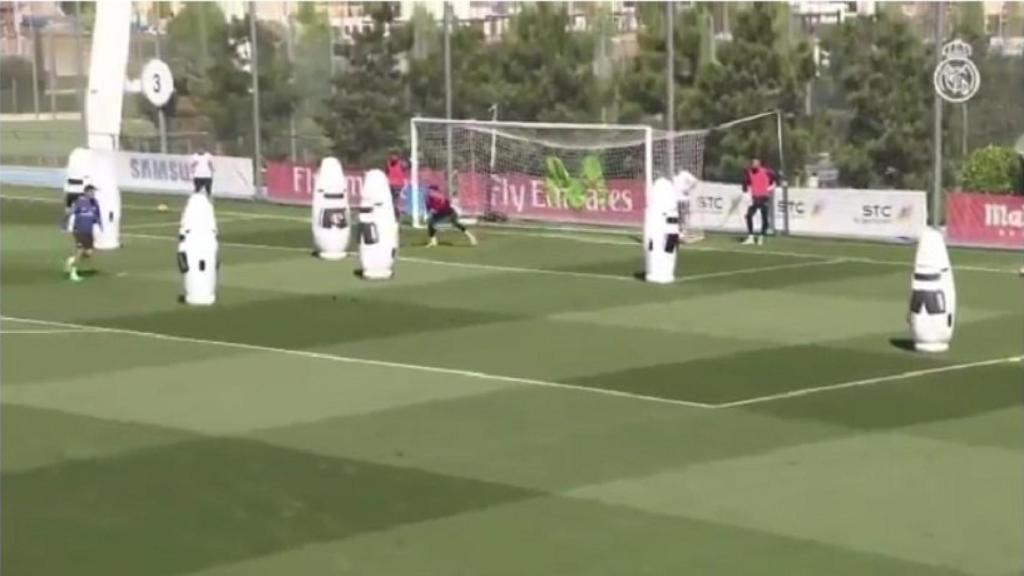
[(993, 170)]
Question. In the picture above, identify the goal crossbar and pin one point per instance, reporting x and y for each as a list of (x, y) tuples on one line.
[(538, 125)]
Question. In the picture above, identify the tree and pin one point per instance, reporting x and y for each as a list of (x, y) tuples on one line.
[(601, 25), (474, 80), (754, 73), (86, 9), (211, 62), (885, 74), (312, 73), (228, 101), (1014, 19), (996, 113), (641, 85), (196, 38), (970, 20), (367, 115), (545, 70), (992, 170)]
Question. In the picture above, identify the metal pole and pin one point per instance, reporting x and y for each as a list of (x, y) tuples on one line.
[(80, 69), (784, 175), (448, 60), (35, 61), (290, 45), (203, 40), (330, 52), (670, 84), (648, 159), (136, 34), (494, 135), (448, 86), (414, 172), (809, 92), (937, 127), (712, 43), (161, 117), (52, 76), (494, 151), (963, 143), (254, 66)]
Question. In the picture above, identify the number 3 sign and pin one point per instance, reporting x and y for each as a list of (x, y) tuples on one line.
[(157, 83)]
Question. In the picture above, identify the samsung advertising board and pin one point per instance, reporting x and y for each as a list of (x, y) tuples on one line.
[(172, 174)]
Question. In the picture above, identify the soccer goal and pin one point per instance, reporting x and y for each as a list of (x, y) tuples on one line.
[(547, 173)]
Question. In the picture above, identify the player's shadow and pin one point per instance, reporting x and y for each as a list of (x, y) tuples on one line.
[(88, 273), (902, 343)]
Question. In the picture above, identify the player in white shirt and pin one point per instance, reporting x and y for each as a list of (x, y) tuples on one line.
[(202, 171)]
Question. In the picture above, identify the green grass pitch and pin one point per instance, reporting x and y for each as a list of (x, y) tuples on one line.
[(524, 407)]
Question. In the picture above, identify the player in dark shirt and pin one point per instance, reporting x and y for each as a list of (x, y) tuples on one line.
[(439, 208), (85, 214)]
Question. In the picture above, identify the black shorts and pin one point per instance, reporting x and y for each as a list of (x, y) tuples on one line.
[(83, 240), (446, 214), (203, 185), (70, 198)]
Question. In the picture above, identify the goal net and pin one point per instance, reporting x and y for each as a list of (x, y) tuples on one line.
[(561, 174)]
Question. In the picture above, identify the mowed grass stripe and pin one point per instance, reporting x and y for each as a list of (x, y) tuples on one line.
[(921, 500), (236, 393), (912, 374), (36, 437), (940, 401), (196, 504), (573, 537), (542, 271), (753, 377), (382, 363)]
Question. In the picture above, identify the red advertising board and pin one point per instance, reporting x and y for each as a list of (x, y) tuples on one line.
[(985, 220), (525, 197), (517, 196), (293, 183)]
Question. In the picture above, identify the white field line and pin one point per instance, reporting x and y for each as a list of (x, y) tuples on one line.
[(149, 208), (868, 382), (66, 327), (539, 271), (55, 331), (517, 269), (743, 271), (580, 238), (367, 362), (178, 223), (752, 251)]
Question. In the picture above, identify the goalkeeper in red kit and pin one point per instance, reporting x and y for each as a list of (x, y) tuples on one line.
[(439, 208)]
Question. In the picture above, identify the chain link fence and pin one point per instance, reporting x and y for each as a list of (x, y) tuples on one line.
[(44, 76)]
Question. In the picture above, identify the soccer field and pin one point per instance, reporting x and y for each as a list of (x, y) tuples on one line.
[(525, 407)]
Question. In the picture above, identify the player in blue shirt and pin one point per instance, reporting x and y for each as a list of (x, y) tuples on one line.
[(85, 214)]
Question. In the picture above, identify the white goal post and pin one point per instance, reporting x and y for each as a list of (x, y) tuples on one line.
[(550, 173)]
